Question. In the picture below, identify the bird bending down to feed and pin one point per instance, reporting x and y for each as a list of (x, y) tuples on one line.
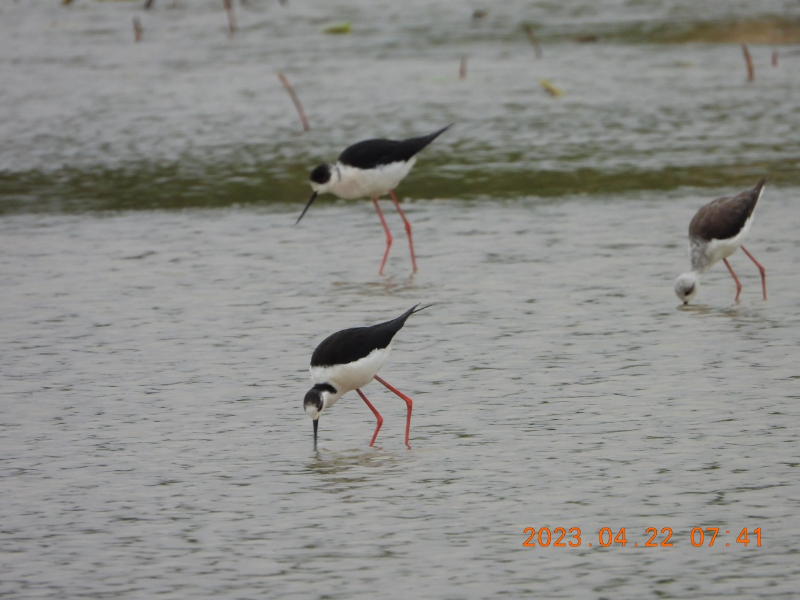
[(348, 360), (371, 169), (716, 231)]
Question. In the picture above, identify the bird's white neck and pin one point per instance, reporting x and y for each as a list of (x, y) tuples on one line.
[(330, 398)]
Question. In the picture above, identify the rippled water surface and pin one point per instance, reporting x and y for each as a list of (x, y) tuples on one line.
[(154, 441), (160, 306)]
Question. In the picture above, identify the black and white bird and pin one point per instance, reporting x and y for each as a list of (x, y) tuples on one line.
[(716, 231), (371, 169), (348, 360)]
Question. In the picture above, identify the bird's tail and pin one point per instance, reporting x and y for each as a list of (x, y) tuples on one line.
[(401, 320), (414, 308), (410, 147), (756, 192), (432, 136)]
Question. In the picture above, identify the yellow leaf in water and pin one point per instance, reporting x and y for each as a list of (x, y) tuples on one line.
[(337, 28), (551, 89)]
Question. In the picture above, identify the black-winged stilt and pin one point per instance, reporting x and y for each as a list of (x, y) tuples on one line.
[(716, 231), (370, 169), (348, 360)]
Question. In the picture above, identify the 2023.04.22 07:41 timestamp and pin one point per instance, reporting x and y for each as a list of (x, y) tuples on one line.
[(704, 537)]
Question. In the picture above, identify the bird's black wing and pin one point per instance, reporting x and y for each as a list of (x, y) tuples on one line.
[(350, 345), (724, 218), (374, 153)]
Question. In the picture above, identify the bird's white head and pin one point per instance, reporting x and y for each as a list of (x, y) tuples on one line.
[(317, 398), (686, 286)]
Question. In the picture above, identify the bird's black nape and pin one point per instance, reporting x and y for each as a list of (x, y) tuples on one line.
[(321, 174), (310, 201)]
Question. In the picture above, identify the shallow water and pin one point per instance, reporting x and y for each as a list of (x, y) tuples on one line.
[(153, 362), (154, 365)]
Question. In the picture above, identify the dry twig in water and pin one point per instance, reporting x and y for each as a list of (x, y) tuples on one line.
[(231, 16), (295, 99), (137, 29), (532, 38), (750, 74)]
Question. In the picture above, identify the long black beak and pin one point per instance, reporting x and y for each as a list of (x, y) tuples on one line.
[(316, 425), (310, 200)]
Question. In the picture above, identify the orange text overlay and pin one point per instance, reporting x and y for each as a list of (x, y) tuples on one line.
[(700, 537)]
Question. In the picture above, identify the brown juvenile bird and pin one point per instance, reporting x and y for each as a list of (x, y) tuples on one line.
[(717, 231)]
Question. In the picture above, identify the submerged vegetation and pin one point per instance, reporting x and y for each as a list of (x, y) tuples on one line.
[(765, 30), (173, 186)]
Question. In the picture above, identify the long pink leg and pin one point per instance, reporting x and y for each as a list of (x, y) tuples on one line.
[(388, 235), (760, 268), (407, 401), (735, 278), (377, 416), (408, 229)]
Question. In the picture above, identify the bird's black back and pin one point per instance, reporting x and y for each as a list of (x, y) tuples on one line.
[(350, 345), (374, 153), (724, 218)]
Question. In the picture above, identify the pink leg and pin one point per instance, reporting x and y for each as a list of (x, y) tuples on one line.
[(736, 279), (407, 401), (377, 416), (760, 268), (408, 229), (388, 236)]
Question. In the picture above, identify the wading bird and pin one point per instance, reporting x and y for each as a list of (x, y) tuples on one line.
[(348, 360), (716, 231), (371, 169)]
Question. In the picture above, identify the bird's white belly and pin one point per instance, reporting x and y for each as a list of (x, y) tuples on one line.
[(356, 183), (719, 249), (346, 378), (716, 250)]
